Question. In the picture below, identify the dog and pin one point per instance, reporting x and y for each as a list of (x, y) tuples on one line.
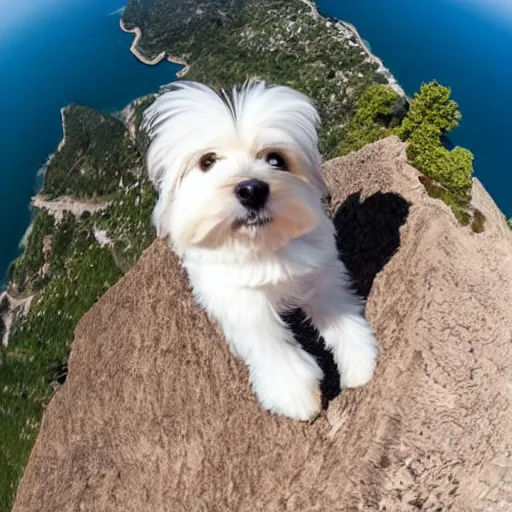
[(241, 192)]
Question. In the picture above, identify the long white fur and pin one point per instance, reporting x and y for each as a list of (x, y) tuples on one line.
[(245, 277)]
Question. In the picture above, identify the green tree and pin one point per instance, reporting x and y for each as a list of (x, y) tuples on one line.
[(133, 14), (433, 106), (454, 169), (431, 115), (375, 114)]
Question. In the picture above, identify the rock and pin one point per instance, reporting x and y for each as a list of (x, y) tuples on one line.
[(157, 415), (4, 303)]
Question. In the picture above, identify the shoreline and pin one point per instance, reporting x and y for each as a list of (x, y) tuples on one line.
[(392, 81), (161, 56), (312, 6), (63, 122), (60, 145)]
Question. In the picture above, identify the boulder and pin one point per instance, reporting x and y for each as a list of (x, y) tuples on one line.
[(157, 415)]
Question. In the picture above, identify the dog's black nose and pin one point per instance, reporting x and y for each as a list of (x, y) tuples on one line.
[(252, 193)]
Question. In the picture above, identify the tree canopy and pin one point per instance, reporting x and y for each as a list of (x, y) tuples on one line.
[(375, 114), (431, 115), (431, 106)]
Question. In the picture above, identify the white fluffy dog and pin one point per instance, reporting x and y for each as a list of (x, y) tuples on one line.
[(240, 194)]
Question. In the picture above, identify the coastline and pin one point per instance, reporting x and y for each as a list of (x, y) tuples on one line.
[(181, 62), (63, 122), (152, 62), (312, 6), (51, 156), (55, 207), (393, 82)]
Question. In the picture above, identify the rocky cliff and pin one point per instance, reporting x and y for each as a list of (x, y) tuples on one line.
[(157, 415)]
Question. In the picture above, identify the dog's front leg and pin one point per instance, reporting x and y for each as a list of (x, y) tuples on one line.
[(284, 377), (338, 315)]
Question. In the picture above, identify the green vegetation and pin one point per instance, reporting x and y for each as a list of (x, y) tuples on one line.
[(432, 114), (139, 106), (432, 107), (378, 112), (509, 222), (96, 155), (478, 223), (128, 224), (133, 14), (26, 272)]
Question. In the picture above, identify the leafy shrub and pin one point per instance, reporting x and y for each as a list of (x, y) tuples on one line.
[(376, 113), (478, 224), (431, 106), (432, 114), (458, 207), (453, 169)]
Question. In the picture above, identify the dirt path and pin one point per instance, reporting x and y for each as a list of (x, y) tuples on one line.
[(57, 207), (133, 47)]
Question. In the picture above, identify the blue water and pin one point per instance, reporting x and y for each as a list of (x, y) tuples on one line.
[(466, 44), (52, 53)]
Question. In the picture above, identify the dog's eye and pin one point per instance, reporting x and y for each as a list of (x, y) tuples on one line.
[(207, 161), (277, 161)]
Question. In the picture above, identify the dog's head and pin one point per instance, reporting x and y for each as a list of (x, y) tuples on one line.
[(234, 170)]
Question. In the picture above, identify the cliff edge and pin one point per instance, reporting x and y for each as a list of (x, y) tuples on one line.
[(157, 415)]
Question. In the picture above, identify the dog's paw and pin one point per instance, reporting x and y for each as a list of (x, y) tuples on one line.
[(359, 372), (358, 358), (292, 387), (301, 403)]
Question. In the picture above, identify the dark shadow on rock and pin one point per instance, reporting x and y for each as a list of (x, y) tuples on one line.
[(368, 234), (367, 237)]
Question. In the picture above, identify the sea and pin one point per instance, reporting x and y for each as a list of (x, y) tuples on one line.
[(56, 52), (52, 53)]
